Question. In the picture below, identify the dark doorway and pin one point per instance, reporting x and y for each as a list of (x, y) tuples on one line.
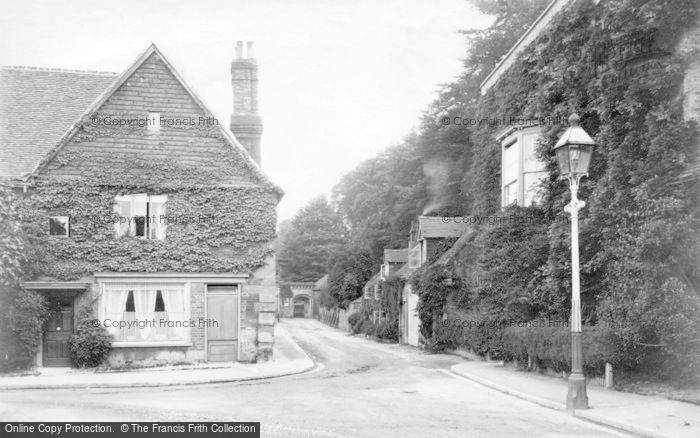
[(301, 307), (58, 331)]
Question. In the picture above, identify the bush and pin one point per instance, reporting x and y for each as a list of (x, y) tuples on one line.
[(443, 337), (550, 347), (388, 329), (366, 327), (90, 344), (21, 334), (354, 318)]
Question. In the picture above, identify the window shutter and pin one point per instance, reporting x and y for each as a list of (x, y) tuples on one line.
[(122, 213), (158, 226)]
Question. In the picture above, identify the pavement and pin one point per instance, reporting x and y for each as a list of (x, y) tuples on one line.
[(642, 415), (287, 359)]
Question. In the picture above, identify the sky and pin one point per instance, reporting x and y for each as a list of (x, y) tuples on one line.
[(339, 81)]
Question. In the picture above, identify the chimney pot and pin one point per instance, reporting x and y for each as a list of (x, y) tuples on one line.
[(250, 52), (239, 49)]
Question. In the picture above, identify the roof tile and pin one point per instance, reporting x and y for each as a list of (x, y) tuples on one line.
[(38, 106)]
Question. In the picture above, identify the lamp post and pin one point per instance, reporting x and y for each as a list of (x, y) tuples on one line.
[(574, 150)]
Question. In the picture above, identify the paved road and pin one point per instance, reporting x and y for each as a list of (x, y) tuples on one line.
[(361, 389)]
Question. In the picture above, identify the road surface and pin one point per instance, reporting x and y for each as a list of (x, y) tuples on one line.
[(361, 388)]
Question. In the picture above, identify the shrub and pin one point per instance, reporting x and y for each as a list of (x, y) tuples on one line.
[(354, 318), (21, 335), (388, 329), (90, 344), (366, 327), (443, 337), (550, 347)]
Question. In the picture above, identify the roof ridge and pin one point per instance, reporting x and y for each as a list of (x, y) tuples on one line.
[(57, 70)]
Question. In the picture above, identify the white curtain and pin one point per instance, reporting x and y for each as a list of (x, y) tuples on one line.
[(115, 302), (145, 303), (175, 309), (174, 300)]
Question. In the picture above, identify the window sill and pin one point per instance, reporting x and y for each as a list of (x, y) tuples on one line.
[(130, 344)]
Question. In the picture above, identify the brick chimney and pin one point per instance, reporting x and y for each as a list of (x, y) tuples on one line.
[(246, 124)]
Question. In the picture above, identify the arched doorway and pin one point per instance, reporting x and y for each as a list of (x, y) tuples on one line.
[(302, 306)]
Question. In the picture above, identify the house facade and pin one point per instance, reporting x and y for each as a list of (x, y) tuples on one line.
[(521, 170), (144, 211)]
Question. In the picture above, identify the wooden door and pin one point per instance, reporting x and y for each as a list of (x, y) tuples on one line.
[(57, 332), (222, 327)]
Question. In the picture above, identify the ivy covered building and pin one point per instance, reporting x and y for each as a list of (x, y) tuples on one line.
[(143, 210)]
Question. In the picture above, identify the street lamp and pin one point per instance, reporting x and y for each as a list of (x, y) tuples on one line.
[(574, 150)]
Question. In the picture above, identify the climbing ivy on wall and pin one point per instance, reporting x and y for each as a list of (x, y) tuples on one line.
[(640, 230), (220, 215)]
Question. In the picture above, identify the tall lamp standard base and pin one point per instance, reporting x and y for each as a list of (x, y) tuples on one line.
[(576, 398)]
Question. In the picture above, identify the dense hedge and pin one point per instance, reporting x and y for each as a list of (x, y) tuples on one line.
[(550, 347), (22, 325), (639, 233)]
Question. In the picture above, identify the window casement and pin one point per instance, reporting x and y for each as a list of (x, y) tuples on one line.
[(140, 215), (378, 316), (367, 295), (144, 314), (521, 171), (153, 123), (59, 226), (377, 291)]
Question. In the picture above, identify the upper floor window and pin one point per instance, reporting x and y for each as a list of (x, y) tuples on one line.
[(153, 123), (140, 215), (521, 171), (59, 226), (377, 292)]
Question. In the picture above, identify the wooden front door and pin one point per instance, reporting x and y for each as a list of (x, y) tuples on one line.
[(222, 323), (58, 331)]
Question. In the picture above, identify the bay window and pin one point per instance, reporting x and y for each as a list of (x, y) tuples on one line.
[(521, 171), (146, 313)]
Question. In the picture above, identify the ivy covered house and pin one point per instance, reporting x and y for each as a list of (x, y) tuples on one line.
[(630, 69), (143, 210)]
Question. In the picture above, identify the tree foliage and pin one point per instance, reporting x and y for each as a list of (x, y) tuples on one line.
[(639, 233), (349, 268), (315, 233)]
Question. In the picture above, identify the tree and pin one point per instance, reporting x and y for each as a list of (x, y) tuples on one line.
[(307, 244), (348, 271)]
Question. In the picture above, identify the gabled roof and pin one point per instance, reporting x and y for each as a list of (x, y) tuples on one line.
[(395, 255), (405, 272), (458, 245), (374, 280), (528, 37), (74, 127), (322, 283), (440, 227), (37, 105)]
